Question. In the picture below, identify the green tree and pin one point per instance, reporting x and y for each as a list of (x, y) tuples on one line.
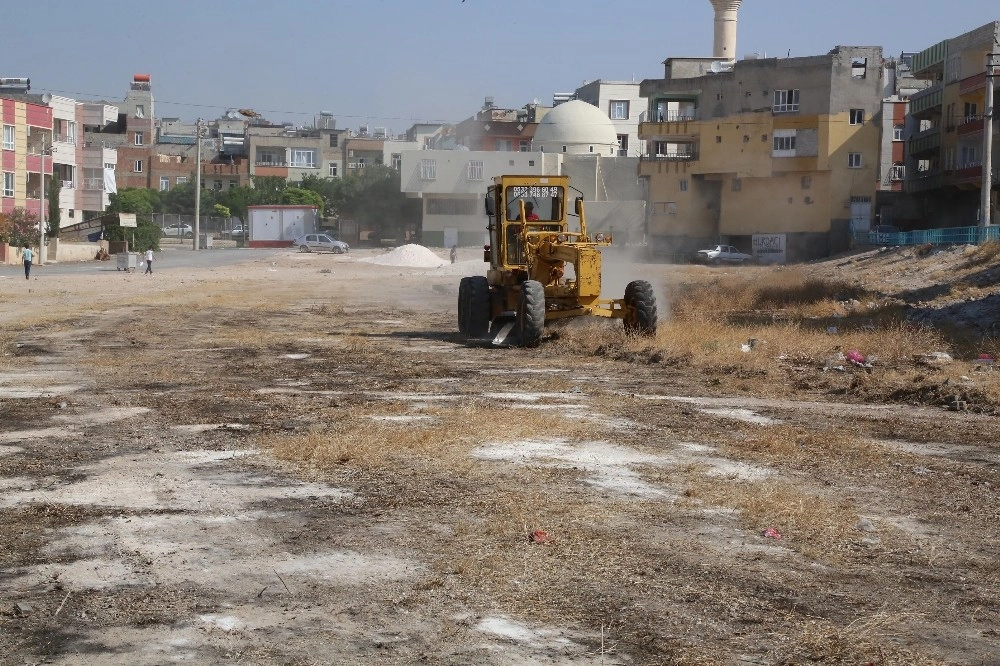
[(138, 200), (180, 199), (54, 217), (268, 189), (373, 198), (297, 196), (218, 210)]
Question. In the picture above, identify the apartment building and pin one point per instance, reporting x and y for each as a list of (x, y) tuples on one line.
[(496, 129), (949, 146), (624, 106), (775, 155), (24, 164)]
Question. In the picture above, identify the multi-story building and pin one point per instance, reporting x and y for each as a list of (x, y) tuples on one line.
[(892, 205), (777, 154), (24, 164), (950, 143), (624, 105), (492, 128), (294, 152), (96, 161)]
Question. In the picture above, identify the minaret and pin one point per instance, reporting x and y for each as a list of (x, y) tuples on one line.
[(725, 28)]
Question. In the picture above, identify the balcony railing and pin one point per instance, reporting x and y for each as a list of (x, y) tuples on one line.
[(928, 98), (68, 185), (971, 125), (270, 163), (65, 138), (93, 184)]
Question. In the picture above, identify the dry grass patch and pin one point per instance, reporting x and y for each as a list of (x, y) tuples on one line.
[(447, 436), (986, 253)]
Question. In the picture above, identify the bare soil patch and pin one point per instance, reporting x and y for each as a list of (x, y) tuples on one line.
[(298, 460)]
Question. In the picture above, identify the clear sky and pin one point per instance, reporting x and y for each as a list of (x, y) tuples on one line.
[(395, 62)]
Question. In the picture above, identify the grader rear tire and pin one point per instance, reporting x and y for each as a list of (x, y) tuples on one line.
[(640, 303), (463, 305), (478, 307), (531, 313)]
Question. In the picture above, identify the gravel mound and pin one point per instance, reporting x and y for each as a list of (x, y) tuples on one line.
[(412, 256)]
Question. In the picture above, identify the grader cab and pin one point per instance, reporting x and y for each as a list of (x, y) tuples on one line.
[(544, 266)]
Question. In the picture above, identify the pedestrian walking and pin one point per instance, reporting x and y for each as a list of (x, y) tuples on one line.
[(27, 256), (149, 261), (454, 253)]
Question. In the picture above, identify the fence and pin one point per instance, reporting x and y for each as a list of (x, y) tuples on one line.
[(217, 226), (950, 236)]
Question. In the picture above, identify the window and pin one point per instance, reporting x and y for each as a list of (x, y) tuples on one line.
[(334, 140), (428, 169), (971, 112), (807, 182), (8, 184), (785, 101), (137, 167), (897, 132), (140, 111), (164, 183), (233, 184), (971, 156), (665, 208), (181, 180), (217, 186), (854, 160), (661, 148), (333, 169), (859, 67), (303, 158), (397, 161), (898, 172), (684, 185), (437, 206), (138, 138), (8, 137), (857, 116), (783, 143), (266, 157), (475, 170), (619, 109), (524, 145), (504, 145), (623, 145)]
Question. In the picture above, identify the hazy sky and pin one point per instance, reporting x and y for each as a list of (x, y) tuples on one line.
[(394, 62)]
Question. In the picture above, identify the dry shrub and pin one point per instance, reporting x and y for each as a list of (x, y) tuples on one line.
[(987, 253), (867, 640)]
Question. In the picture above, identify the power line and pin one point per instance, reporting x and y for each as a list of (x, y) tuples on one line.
[(231, 106)]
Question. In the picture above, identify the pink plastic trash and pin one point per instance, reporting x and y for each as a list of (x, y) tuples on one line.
[(856, 357), (772, 533)]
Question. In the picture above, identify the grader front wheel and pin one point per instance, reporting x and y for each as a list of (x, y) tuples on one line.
[(531, 313), (640, 305)]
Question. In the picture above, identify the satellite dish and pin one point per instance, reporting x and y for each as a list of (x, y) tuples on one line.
[(46, 98), (715, 67)]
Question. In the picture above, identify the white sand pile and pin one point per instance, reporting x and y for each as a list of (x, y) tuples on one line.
[(412, 256)]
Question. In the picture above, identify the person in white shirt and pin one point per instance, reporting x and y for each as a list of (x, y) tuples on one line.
[(149, 261), (27, 256)]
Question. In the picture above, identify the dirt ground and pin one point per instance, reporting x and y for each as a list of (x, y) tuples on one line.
[(298, 460)]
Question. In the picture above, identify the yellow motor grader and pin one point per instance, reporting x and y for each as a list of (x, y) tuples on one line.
[(544, 265)]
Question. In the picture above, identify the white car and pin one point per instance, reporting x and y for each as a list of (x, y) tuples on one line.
[(723, 254), (321, 243), (178, 230)]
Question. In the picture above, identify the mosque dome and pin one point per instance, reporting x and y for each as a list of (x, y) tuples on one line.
[(576, 127)]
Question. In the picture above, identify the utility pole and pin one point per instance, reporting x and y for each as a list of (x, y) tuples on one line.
[(41, 209), (985, 205), (197, 187)]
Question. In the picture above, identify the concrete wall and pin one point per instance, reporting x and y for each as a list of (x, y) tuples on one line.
[(64, 251)]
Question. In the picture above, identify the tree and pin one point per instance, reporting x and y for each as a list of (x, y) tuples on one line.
[(138, 200), (53, 222), (218, 210), (180, 199), (297, 196), (19, 227), (373, 198)]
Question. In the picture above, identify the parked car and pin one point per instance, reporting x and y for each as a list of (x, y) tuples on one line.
[(321, 243), (723, 254), (178, 230), (238, 231)]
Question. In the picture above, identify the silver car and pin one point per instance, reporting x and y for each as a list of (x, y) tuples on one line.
[(321, 243)]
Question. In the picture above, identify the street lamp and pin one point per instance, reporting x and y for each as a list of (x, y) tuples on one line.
[(985, 204), (197, 186)]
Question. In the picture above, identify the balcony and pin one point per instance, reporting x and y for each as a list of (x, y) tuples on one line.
[(930, 60), (970, 125), (93, 184), (967, 176), (65, 138), (928, 141), (681, 126), (924, 181), (68, 185), (927, 99), (270, 163), (677, 156), (972, 83)]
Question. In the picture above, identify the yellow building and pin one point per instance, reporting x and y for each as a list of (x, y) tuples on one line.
[(27, 132), (775, 156)]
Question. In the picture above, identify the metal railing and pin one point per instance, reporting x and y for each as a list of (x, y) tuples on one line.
[(65, 138), (670, 157), (68, 184), (270, 163), (948, 236), (93, 184)]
